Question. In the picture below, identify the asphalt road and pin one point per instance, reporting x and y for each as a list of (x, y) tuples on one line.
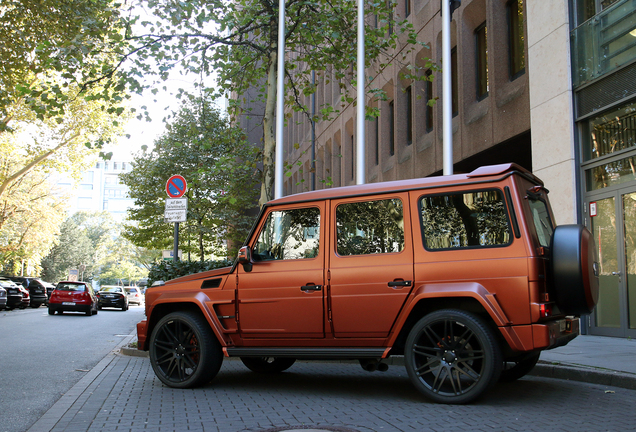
[(42, 356)]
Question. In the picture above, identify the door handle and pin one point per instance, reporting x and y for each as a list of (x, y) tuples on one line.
[(401, 283), (311, 288)]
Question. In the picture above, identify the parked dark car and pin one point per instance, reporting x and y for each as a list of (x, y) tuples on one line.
[(73, 296), (14, 294), (36, 287), (112, 296), (49, 290), (3, 298)]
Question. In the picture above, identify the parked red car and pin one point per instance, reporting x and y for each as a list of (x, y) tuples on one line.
[(73, 296)]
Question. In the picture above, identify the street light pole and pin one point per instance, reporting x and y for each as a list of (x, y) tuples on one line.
[(360, 147), (280, 95), (447, 92)]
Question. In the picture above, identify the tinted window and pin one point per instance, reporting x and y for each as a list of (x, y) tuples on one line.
[(542, 221), (370, 227), (288, 235), (473, 219)]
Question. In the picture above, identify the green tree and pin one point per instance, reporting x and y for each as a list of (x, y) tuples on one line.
[(49, 47), (73, 249), (219, 167), (238, 41)]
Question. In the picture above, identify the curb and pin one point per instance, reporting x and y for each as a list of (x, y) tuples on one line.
[(133, 352), (586, 374)]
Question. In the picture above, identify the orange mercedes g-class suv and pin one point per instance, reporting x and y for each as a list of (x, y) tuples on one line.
[(466, 276)]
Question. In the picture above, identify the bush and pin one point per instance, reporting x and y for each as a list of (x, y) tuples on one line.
[(166, 270)]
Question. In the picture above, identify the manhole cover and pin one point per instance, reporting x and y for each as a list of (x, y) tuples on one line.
[(310, 429)]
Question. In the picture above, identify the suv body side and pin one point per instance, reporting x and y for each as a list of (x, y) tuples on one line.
[(361, 267)]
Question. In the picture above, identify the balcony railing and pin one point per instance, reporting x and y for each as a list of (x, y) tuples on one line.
[(604, 43)]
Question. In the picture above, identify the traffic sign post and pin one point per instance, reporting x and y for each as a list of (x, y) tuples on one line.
[(176, 207)]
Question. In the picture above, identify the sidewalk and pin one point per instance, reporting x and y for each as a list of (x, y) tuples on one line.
[(121, 393), (593, 359)]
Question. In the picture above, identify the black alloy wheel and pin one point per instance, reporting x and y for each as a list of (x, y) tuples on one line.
[(268, 364), (513, 369), (452, 356), (184, 352)]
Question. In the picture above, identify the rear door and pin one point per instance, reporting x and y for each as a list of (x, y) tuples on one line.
[(371, 264)]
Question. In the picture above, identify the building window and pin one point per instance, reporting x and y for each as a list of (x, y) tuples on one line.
[(407, 8), (454, 82), (516, 40), (409, 115), (429, 101), (86, 186), (481, 39), (586, 9), (391, 128)]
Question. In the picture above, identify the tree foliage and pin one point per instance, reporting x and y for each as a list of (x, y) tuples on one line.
[(51, 46), (238, 41), (93, 239), (220, 170)]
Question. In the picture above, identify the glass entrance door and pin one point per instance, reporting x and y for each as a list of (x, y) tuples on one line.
[(613, 224)]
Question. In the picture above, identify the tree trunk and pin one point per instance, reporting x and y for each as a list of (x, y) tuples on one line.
[(269, 135)]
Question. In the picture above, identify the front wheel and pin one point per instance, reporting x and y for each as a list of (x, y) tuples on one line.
[(184, 352), (452, 356), (268, 364)]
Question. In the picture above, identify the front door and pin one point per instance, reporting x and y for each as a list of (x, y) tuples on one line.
[(282, 296), (612, 220)]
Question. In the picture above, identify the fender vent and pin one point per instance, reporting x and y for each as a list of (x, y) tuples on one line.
[(211, 283)]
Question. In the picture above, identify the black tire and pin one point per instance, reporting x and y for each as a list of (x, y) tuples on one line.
[(184, 353), (99, 307), (574, 269), (452, 356), (51, 312), (89, 312), (35, 306), (268, 364), (513, 369)]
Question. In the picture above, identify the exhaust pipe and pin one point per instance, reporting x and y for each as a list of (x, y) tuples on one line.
[(372, 365)]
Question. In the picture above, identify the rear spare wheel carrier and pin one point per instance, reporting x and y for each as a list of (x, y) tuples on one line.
[(574, 269)]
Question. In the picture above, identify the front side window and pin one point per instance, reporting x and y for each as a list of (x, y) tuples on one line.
[(288, 235), (464, 220), (370, 227)]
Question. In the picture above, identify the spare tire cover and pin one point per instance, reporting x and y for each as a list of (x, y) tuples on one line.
[(574, 269)]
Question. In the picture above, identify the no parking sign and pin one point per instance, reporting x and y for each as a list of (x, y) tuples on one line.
[(176, 186)]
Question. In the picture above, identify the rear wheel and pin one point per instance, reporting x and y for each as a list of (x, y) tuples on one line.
[(452, 356), (268, 364), (51, 312), (513, 369), (184, 353)]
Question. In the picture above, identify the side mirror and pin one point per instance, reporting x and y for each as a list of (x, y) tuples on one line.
[(245, 258)]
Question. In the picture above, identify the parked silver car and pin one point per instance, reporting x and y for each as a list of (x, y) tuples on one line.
[(134, 295)]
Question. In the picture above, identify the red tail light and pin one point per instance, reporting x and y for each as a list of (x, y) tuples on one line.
[(545, 310)]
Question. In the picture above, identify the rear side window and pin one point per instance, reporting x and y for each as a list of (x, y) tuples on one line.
[(542, 221), (288, 235), (464, 220), (370, 227), (70, 287)]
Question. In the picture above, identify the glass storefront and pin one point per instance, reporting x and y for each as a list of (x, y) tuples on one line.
[(609, 166)]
